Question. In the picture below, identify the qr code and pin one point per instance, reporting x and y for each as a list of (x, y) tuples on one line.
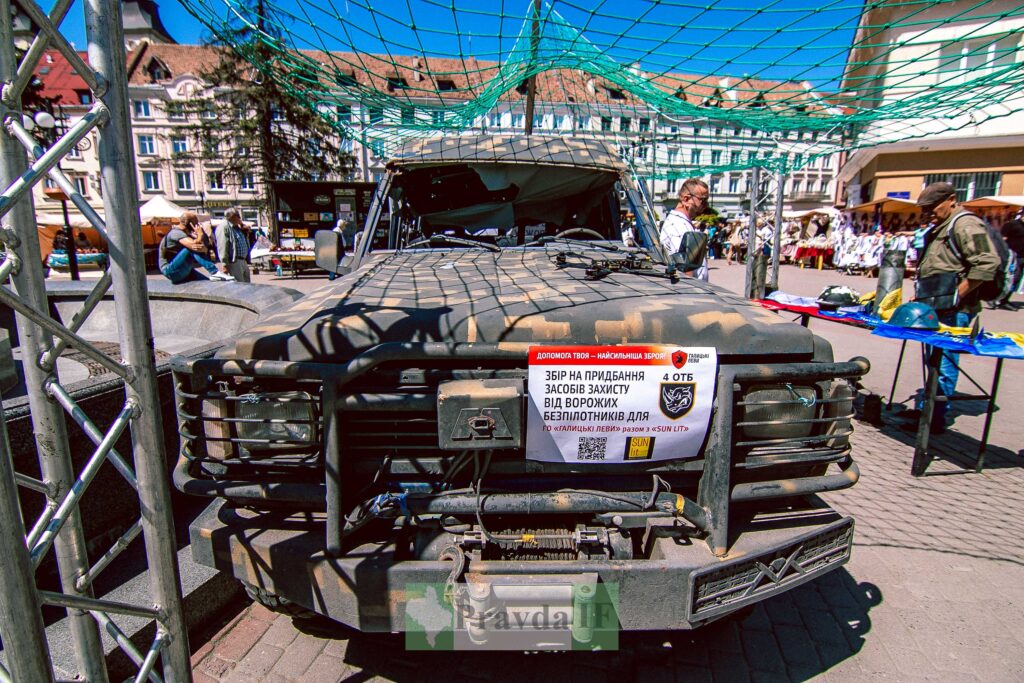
[(592, 447)]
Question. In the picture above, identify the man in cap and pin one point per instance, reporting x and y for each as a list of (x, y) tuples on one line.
[(972, 261)]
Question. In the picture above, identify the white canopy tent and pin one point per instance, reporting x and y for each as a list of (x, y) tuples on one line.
[(159, 208)]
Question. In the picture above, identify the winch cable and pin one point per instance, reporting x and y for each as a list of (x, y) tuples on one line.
[(478, 477)]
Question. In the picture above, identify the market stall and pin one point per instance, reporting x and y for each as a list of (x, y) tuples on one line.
[(91, 245)]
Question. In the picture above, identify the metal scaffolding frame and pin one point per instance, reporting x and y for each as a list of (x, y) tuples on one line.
[(23, 163)]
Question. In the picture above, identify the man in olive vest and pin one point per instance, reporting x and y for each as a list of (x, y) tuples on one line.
[(964, 265)]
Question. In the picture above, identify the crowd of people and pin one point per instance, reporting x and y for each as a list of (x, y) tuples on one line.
[(961, 260), (852, 243)]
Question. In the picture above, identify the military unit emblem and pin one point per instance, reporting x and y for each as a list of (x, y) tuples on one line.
[(676, 399)]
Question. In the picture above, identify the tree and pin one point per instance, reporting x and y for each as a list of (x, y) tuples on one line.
[(251, 126)]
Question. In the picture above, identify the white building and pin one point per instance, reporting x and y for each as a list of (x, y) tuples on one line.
[(950, 59)]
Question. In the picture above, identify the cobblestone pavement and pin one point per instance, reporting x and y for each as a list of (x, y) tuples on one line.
[(934, 591)]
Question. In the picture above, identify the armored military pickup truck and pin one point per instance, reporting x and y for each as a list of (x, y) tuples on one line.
[(511, 401)]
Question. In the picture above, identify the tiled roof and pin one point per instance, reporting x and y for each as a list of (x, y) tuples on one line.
[(59, 79), (450, 79)]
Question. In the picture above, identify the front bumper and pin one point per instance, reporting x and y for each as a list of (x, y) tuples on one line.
[(682, 584)]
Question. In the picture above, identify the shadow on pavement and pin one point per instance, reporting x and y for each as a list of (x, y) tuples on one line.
[(952, 447), (794, 637)]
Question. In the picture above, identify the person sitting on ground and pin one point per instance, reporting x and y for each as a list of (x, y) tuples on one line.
[(182, 251)]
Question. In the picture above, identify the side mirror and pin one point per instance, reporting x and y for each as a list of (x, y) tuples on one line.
[(329, 249), (692, 249)]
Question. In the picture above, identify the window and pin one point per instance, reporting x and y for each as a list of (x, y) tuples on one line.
[(175, 111), (408, 116), (625, 123), (518, 120), (208, 113), (734, 184), (715, 185), (716, 157), (183, 180), (695, 157), (673, 156), (798, 160), (445, 85), (75, 153), (81, 185), (344, 113), (376, 114), (672, 185), (606, 123), (582, 123), (696, 130), (734, 158), (345, 79), (247, 181), (798, 185), (616, 94), (974, 58), (179, 144), (276, 114), (969, 185), (211, 145), (538, 121), (644, 125), (151, 181), (147, 145), (84, 96), (396, 83), (141, 109), (215, 180)]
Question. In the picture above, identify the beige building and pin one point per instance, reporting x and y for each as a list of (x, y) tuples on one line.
[(982, 151)]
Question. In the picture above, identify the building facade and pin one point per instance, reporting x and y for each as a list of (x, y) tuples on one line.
[(422, 93), (943, 47)]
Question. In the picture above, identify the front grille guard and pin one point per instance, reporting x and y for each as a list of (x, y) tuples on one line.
[(709, 513)]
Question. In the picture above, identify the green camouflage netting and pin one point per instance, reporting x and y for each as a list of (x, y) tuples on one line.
[(792, 80)]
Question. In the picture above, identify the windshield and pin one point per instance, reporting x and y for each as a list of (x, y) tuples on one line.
[(474, 205)]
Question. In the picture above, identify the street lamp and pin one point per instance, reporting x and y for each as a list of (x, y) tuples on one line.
[(51, 128)]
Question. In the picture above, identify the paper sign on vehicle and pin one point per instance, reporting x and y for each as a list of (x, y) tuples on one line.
[(616, 404)]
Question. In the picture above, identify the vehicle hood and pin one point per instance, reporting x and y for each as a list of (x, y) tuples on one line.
[(469, 295)]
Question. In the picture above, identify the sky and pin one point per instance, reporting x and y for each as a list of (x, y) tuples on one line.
[(782, 39)]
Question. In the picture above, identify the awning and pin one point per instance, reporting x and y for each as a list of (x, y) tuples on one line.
[(824, 211), (75, 219), (889, 205), (157, 208), (996, 201)]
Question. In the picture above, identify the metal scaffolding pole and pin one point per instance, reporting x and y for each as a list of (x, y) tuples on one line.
[(60, 521), (47, 417), (127, 267), (755, 190), (780, 184), (21, 623)]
